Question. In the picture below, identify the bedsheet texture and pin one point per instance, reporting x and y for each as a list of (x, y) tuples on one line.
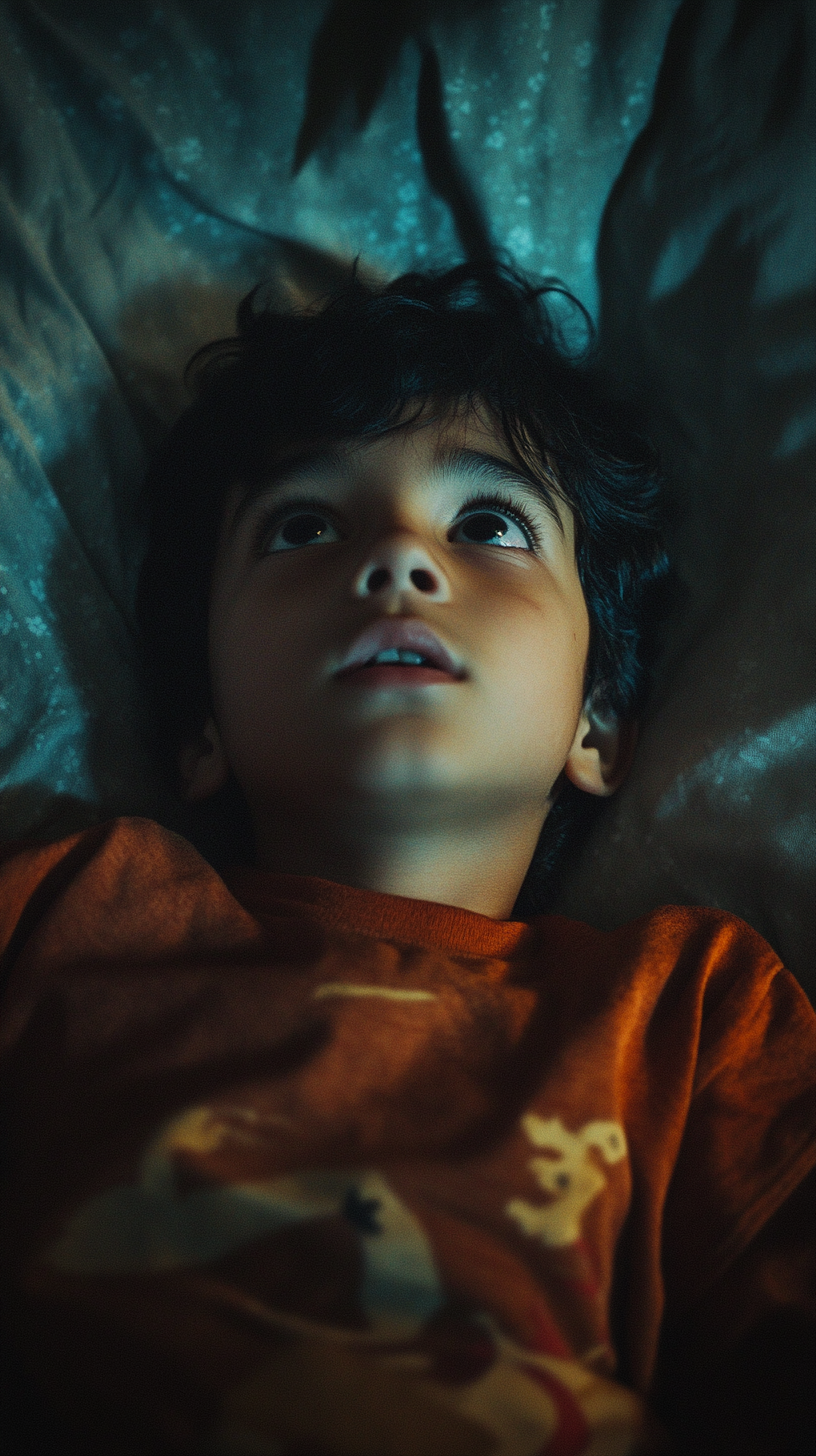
[(658, 157)]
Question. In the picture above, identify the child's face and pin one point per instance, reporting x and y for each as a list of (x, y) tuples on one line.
[(427, 541)]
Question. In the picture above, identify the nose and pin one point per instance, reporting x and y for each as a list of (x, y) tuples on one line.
[(401, 566)]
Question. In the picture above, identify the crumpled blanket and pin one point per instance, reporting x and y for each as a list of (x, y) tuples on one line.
[(656, 156)]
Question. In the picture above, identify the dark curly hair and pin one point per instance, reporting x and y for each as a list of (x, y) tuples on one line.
[(477, 335)]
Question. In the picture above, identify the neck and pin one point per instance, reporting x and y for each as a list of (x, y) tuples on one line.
[(476, 862)]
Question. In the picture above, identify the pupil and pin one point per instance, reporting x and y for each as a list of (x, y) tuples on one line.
[(300, 530), (484, 527)]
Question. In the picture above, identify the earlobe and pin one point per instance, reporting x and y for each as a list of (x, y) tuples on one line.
[(203, 764), (602, 751)]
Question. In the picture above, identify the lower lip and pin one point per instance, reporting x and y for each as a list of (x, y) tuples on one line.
[(393, 675)]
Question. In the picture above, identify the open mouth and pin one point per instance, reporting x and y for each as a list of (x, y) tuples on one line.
[(376, 661), (396, 665)]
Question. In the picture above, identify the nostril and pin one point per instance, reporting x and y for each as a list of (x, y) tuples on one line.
[(422, 580), (378, 579)]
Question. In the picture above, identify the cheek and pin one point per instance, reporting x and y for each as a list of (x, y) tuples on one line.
[(251, 658), (536, 669)]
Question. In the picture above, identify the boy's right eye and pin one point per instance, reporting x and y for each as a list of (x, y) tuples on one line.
[(296, 528)]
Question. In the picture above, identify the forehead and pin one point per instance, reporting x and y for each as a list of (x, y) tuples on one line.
[(429, 435), (463, 442)]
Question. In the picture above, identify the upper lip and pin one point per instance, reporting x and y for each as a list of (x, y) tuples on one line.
[(400, 632)]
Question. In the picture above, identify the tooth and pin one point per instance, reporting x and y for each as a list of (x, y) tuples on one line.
[(394, 655)]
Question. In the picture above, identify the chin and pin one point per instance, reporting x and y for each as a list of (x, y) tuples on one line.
[(391, 776)]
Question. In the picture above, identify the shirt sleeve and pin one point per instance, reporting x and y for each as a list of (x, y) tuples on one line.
[(750, 1135)]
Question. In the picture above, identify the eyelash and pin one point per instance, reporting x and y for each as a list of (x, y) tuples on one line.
[(494, 501)]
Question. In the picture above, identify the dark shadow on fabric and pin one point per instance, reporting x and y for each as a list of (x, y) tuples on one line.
[(53, 815), (354, 52), (759, 81), (620, 24), (714, 1399), (723, 375), (445, 173), (719, 420)]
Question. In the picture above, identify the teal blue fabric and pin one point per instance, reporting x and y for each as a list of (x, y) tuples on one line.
[(656, 156)]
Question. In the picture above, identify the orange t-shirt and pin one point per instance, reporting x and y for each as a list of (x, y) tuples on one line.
[(300, 1167)]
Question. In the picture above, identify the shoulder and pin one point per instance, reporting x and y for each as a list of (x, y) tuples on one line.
[(25, 865), (685, 985), (685, 945), (127, 882), (32, 874), (730, 974)]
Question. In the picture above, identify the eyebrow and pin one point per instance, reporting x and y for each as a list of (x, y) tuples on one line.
[(301, 465), (481, 465), (478, 465)]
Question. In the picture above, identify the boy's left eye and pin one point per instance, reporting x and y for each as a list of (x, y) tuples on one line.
[(494, 528)]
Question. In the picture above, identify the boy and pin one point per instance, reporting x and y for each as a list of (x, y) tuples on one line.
[(330, 1155)]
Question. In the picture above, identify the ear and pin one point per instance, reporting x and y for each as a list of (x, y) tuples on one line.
[(602, 751), (203, 764)]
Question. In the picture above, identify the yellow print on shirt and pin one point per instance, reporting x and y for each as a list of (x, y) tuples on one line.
[(384, 1363), (568, 1173)]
